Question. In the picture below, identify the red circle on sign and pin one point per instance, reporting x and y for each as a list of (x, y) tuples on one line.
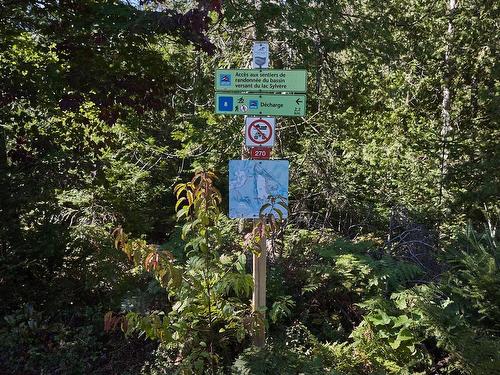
[(264, 137)]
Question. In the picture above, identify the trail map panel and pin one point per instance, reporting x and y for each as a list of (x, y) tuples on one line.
[(261, 80), (252, 182), (260, 105)]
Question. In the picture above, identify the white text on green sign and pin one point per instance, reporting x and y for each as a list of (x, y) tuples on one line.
[(260, 80), (260, 104)]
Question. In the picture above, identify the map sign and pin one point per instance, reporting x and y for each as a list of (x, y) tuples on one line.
[(253, 182), (255, 104), (261, 80), (259, 131)]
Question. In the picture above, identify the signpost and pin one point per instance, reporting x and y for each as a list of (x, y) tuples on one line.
[(260, 104), (253, 183), (259, 131), (259, 80)]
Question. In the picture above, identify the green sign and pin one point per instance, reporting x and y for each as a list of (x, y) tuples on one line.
[(260, 80), (260, 104)]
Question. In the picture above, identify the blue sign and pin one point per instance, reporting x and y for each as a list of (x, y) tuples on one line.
[(254, 183), (225, 80), (225, 103), (253, 104)]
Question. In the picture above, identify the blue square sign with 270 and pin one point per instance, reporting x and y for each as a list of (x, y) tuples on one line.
[(225, 103)]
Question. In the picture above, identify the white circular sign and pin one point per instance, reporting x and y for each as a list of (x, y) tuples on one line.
[(259, 131)]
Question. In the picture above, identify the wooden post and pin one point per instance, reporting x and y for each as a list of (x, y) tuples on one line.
[(259, 262), (259, 290)]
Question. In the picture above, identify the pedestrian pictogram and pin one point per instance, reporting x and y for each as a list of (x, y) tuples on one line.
[(259, 131)]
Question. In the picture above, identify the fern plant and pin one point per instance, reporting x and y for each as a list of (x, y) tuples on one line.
[(474, 277)]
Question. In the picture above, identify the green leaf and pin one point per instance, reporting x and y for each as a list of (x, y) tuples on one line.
[(225, 259), (378, 318), (179, 201), (240, 264), (402, 320), (263, 208)]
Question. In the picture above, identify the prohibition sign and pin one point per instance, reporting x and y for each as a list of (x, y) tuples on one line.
[(260, 132)]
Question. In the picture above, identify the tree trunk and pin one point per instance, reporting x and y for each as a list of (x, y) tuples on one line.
[(3, 151), (447, 121)]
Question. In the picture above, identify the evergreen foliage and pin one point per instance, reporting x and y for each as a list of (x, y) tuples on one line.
[(389, 260)]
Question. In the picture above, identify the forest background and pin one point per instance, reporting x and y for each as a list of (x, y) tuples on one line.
[(388, 263)]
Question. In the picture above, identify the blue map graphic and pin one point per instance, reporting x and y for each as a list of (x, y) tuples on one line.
[(251, 182)]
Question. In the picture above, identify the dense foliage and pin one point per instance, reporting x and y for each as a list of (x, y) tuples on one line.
[(111, 263)]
